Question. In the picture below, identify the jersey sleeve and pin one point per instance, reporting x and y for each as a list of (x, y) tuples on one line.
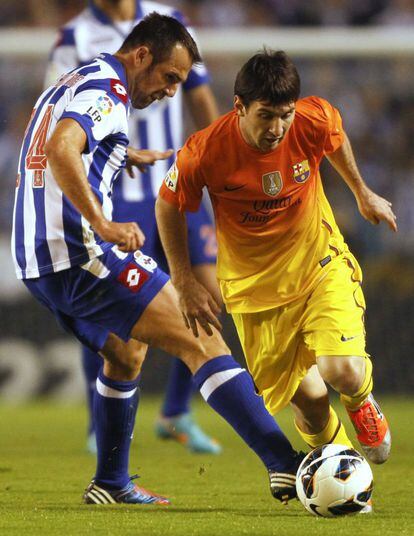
[(183, 184), (328, 125), (97, 113), (63, 56)]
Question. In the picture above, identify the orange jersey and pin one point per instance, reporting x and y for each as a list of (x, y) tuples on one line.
[(275, 228)]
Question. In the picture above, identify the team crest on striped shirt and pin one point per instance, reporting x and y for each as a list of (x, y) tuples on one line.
[(301, 171), (272, 183)]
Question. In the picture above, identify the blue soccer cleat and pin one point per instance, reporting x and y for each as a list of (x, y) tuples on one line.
[(130, 494), (187, 432)]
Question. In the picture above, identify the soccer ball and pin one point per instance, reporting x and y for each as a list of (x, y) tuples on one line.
[(334, 480)]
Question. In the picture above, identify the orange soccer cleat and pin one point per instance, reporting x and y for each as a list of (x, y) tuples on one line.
[(372, 429)]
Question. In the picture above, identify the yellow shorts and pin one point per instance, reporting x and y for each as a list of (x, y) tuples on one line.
[(281, 344)]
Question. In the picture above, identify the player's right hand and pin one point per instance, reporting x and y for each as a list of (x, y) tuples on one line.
[(127, 236), (198, 307)]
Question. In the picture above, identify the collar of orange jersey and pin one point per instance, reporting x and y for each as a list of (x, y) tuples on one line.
[(103, 17)]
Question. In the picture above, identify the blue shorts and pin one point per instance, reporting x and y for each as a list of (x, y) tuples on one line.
[(202, 242), (106, 295)]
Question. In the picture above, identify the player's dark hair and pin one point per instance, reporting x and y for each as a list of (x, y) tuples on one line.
[(160, 34), (268, 76)]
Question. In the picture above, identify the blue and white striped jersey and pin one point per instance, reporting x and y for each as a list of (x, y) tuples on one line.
[(160, 126), (49, 234)]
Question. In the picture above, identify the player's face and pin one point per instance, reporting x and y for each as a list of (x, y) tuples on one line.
[(262, 125), (154, 82)]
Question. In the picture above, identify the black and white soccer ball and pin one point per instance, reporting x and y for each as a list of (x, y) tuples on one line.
[(334, 480)]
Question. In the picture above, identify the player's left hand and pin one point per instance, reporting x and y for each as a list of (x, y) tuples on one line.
[(198, 306), (375, 209), (141, 158)]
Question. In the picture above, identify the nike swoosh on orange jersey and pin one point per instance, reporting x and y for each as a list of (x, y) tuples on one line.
[(233, 188)]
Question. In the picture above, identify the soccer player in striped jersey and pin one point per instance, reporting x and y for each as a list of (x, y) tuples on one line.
[(102, 26), (285, 271), (88, 270)]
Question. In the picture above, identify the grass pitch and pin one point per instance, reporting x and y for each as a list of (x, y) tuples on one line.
[(44, 468)]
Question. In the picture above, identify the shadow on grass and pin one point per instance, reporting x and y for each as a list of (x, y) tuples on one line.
[(148, 510)]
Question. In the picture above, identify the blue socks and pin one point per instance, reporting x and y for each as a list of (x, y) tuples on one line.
[(179, 390), (114, 409), (230, 391), (177, 398), (227, 388)]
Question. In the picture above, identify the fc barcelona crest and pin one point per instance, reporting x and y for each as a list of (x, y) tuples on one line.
[(301, 171), (272, 183)]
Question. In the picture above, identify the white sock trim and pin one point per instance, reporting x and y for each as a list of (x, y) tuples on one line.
[(217, 379), (104, 390)]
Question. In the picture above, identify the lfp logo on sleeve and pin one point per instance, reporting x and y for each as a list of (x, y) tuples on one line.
[(172, 178)]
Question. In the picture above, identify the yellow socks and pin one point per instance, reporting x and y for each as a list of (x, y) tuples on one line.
[(355, 401), (334, 432)]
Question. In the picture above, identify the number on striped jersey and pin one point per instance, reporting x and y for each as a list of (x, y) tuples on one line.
[(36, 159)]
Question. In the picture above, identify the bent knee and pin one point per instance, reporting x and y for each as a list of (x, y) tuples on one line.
[(343, 373), (126, 358)]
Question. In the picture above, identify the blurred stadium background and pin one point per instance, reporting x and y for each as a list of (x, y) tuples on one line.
[(359, 54)]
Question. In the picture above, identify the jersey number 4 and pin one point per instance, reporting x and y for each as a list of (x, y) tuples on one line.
[(36, 159)]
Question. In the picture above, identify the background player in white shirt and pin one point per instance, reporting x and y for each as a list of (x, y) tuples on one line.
[(88, 270), (102, 27)]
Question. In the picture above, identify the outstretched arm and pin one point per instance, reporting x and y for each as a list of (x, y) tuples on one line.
[(141, 158), (196, 304), (372, 207)]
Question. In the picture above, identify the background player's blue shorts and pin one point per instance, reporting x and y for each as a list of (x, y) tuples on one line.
[(201, 233), (106, 295)]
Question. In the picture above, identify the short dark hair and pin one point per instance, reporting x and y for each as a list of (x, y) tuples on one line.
[(160, 34), (270, 77)]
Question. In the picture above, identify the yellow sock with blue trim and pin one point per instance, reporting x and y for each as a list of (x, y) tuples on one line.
[(334, 432), (355, 401)]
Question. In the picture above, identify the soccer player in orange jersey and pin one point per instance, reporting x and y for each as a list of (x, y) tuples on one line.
[(286, 274)]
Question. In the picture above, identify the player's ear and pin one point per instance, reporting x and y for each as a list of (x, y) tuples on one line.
[(143, 55), (239, 106)]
